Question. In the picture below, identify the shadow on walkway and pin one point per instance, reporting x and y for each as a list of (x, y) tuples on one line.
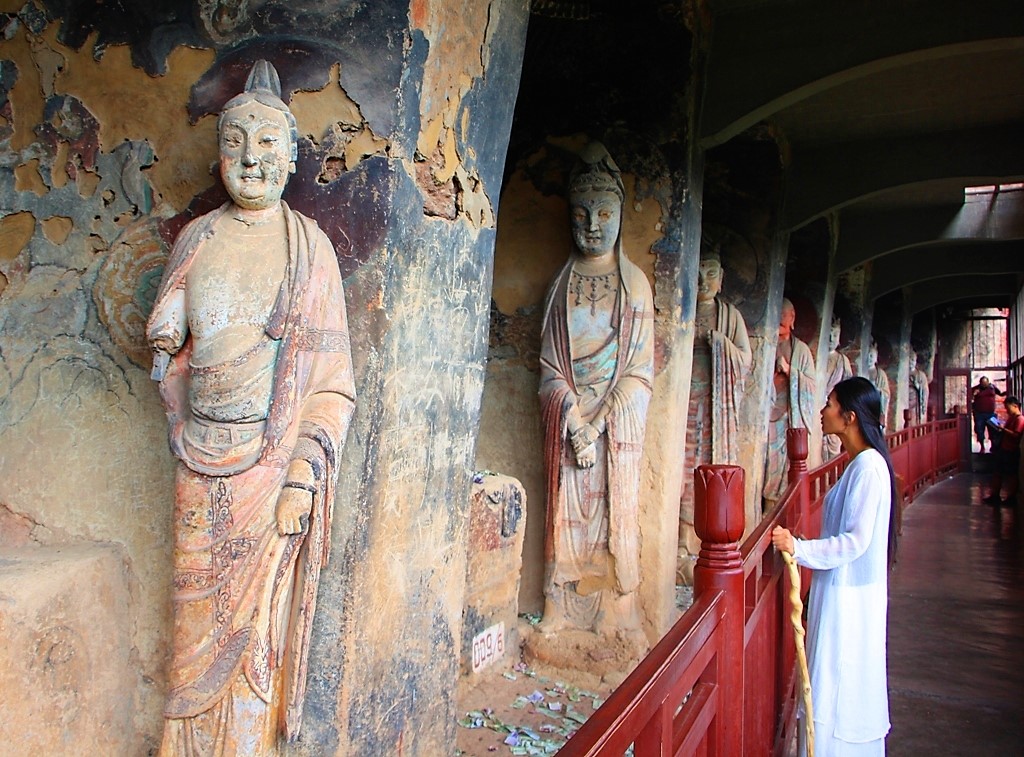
[(956, 626)]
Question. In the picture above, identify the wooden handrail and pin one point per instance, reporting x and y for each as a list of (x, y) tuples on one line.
[(656, 686), (734, 645)]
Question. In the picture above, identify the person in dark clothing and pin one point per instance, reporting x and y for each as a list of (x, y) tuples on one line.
[(1007, 455), (983, 406)]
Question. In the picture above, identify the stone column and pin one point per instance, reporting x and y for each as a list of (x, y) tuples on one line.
[(385, 655)]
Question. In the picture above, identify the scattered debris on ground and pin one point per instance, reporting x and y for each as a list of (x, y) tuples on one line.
[(524, 711)]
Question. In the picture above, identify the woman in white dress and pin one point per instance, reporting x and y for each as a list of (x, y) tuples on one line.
[(849, 591)]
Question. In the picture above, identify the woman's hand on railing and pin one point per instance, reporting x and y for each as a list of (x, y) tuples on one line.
[(782, 539)]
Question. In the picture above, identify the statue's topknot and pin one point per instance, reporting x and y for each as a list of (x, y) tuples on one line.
[(595, 170), (264, 86), (263, 78)]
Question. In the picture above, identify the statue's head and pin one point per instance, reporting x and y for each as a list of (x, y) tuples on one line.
[(912, 360), (596, 196), (709, 276), (258, 141), (872, 354), (833, 335), (787, 318)]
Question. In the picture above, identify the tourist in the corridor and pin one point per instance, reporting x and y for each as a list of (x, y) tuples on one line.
[(849, 589), (983, 407), (1007, 455)]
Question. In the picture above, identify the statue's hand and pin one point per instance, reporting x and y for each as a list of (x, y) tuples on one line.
[(584, 437), (782, 365), (293, 508), (587, 457)]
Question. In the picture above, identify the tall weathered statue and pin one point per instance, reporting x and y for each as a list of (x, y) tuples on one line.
[(880, 379), (251, 348), (721, 359), (792, 403), (597, 364), (837, 368), (919, 391)]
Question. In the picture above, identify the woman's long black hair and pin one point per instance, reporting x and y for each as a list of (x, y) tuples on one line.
[(859, 396)]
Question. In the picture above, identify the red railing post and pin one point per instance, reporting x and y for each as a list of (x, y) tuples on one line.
[(933, 451), (796, 449), (963, 436), (718, 519)]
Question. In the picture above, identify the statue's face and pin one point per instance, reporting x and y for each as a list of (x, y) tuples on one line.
[(596, 218), (709, 280), (833, 337), (912, 360), (872, 355), (786, 321), (255, 155)]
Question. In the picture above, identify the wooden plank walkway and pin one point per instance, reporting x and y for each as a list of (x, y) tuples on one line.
[(956, 626)]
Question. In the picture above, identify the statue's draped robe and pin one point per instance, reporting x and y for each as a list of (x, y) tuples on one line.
[(919, 391), (716, 400), (880, 379), (577, 545), (799, 414), (244, 596), (838, 369)]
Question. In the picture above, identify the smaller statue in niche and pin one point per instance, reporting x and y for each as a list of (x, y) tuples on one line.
[(837, 368), (251, 348), (597, 365), (880, 379), (721, 359), (919, 391), (792, 402)]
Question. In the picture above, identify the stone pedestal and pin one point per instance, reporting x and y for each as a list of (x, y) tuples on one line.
[(65, 673), (497, 522)]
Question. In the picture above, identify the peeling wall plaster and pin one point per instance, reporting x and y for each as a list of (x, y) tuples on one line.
[(102, 160)]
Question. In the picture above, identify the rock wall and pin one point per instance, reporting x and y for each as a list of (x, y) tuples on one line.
[(580, 83), (107, 135)]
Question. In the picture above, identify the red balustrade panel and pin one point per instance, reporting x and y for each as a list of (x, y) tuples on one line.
[(723, 680)]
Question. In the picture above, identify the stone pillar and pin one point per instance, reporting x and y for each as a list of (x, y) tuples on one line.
[(385, 654), (826, 307), (764, 339), (719, 521), (901, 382)]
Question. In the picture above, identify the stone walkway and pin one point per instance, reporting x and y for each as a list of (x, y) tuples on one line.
[(956, 626)]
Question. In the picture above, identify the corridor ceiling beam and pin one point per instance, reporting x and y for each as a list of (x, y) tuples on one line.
[(870, 234), (997, 290), (770, 56), (828, 177), (919, 266)]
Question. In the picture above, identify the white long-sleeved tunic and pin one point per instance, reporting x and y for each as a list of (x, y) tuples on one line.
[(848, 602)]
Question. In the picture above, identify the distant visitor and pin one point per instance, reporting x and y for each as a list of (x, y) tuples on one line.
[(983, 408)]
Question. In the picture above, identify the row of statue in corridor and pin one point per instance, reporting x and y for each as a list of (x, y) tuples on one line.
[(597, 366), (251, 349)]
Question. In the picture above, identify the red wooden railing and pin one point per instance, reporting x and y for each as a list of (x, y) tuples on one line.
[(722, 681)]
